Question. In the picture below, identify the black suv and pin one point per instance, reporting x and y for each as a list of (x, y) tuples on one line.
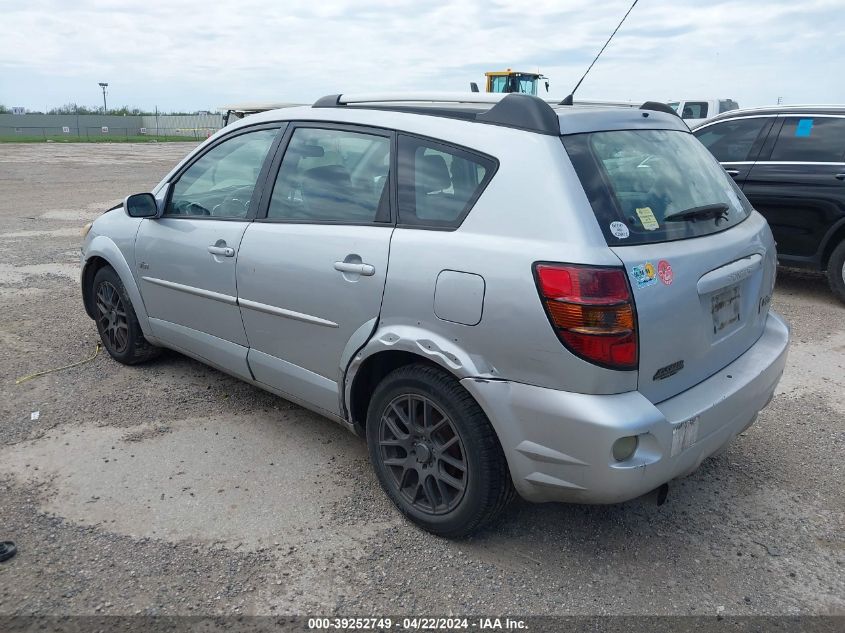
[(790, 163)]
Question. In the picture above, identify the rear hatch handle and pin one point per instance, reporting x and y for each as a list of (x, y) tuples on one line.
[(729, 274)]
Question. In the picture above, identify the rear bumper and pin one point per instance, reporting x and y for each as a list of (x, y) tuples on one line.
[(558, 444)]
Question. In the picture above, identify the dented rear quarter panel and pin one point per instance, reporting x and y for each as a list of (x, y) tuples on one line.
[(533, 210)]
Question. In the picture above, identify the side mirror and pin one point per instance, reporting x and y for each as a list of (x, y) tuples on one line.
[(141, 205)]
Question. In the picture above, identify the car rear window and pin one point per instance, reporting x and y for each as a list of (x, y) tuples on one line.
[(636, 179), (694, 110), (726, 105)]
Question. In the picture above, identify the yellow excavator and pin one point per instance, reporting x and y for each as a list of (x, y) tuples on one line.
[(511, 81)]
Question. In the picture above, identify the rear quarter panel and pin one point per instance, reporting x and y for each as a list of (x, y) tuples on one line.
[(534, 209)]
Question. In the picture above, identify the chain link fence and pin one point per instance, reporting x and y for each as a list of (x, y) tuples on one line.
[(83, 133), (94, 128)]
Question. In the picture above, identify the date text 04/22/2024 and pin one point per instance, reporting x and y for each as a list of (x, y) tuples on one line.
[(416, 624)]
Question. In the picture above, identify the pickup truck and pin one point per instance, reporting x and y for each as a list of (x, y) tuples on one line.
[(695, 111)]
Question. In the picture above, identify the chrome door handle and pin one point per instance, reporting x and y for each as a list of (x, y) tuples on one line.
[(840, 176), (733, 173), (223, 251), (367, 270)]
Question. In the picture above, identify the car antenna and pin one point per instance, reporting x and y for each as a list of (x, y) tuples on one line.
[(570, 97)]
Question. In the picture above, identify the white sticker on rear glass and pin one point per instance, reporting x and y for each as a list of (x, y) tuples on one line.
[(619, 230)]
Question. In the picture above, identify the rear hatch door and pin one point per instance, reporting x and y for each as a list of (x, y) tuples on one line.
[(700, 262), (700, 304)]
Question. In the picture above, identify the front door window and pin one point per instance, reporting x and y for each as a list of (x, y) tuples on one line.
[(221, 183)]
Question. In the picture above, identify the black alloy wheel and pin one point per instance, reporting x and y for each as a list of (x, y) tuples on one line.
[(117, 323), (435, 453), (111, 318), (423, 453)]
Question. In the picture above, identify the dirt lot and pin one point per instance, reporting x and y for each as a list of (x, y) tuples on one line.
[(172, 488)]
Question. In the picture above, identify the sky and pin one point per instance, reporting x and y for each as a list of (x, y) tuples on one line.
[(191, 54)]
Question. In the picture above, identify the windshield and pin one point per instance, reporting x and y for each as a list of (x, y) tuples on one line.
[(526, 84), (635, 179), (515, 82)]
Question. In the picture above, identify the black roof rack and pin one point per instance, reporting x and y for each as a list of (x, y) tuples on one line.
[(519, 111), (524, 112), (329, 101)]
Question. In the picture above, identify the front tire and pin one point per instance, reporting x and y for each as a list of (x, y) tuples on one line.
[(117, 324), (836, 271), (435, 453)]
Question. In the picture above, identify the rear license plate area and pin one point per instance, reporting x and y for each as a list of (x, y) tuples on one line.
[(725, 309)]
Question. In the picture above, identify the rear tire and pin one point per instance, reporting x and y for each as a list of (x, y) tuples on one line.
[(116, 322), (836, 271), (435, 453)]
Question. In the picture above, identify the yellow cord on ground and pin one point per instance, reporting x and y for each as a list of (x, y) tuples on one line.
[(50, 371)]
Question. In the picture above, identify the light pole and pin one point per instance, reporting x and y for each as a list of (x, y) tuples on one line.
[(104, 85)]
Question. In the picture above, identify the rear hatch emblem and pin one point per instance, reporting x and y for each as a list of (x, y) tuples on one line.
[(669, 370)]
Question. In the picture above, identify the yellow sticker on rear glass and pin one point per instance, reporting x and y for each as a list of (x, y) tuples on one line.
[(647, 218)]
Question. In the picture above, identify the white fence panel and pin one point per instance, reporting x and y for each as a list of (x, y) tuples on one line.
[(195, 125)]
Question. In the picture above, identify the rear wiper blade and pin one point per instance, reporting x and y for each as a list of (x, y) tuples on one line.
[(704, 212)]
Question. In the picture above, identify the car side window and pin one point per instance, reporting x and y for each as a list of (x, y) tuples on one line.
[(694, 110), (438, 184), (332, 175), (731, 141), (499, 84), (811, 139), (220, 184)]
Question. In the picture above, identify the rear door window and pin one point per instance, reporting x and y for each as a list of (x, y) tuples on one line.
[(637, 179), (333, 175), (731, 141), (811, 139), (439, 184)]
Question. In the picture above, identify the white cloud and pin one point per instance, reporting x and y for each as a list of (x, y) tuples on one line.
[(191, 54)]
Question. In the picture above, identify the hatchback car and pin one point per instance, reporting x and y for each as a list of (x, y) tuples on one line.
[(790, 163), (571, 303)]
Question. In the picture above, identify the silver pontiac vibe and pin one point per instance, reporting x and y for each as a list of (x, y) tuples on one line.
[(499, 294)]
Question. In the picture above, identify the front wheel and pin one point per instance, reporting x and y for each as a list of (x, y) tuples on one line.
[(117, 324), (435, 453), (836, 271)]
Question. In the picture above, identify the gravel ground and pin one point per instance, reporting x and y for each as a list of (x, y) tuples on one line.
[(172, 488)]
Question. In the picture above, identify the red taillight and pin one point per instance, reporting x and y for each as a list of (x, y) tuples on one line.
[(592, 312)]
